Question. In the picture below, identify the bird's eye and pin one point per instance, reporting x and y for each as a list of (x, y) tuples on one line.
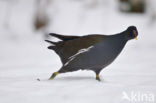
[(134, 33)]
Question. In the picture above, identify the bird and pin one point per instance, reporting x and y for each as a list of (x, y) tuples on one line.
[(89, 52)]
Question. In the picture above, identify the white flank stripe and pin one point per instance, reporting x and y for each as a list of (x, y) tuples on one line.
[(79, 52)]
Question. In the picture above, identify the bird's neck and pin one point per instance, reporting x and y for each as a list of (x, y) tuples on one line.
[(121, 36)]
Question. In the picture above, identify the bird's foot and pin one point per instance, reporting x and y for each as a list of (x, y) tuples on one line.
[(53, 75), (98, 78)]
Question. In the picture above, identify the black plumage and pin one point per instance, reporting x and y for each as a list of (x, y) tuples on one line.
[(90, 52)]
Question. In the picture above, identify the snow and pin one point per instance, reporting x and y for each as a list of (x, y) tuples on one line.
[(24, 56)]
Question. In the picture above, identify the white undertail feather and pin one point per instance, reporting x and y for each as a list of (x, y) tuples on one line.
[(79, 52)]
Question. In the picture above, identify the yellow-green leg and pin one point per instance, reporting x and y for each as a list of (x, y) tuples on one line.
[(97, 77), (53, 75)]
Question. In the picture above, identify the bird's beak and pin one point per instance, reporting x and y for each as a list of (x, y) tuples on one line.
[(136, 38), (134, 32)]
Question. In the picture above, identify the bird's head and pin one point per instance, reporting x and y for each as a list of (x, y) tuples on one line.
[(132, 33)]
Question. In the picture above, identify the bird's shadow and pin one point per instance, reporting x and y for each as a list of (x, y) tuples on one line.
[(74, 78)]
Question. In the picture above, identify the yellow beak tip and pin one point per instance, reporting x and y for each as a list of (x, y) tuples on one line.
[(136, 38)]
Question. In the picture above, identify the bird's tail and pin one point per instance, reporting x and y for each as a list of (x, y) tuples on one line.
[(56, 46), (63, 37), (51, 42)]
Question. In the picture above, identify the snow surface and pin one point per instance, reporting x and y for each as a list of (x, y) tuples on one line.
[(24, 56)]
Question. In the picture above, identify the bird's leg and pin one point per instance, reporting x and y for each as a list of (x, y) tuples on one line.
[(97, 72), (53, 75), (97, 77)]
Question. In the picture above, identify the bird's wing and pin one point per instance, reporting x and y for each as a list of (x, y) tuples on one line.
[(70, 48)]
